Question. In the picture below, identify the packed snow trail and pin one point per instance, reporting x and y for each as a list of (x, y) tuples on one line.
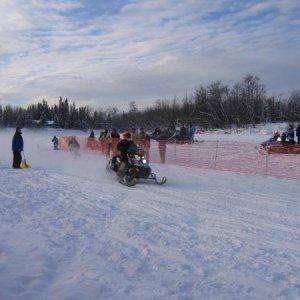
[(70, 231), (205, 235)]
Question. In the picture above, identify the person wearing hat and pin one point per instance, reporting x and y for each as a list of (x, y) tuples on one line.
[(125, 146), (17, 148)]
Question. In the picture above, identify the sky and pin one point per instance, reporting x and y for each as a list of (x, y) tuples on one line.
[(110, 52)]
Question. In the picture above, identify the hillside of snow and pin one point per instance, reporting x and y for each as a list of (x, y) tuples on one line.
[(68, 230)]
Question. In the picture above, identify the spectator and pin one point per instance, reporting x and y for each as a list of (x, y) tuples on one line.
[(17, 148), (298, 133), (114, 134), (92, 135), (74, 146), (142, 134), (103, 134), (55, 143), (291, 133)]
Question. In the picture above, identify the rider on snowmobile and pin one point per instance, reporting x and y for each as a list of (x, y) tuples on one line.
[(131, 165), (126, 147)]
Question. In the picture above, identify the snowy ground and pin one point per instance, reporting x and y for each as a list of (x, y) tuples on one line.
[(260, 133), (69, 231)]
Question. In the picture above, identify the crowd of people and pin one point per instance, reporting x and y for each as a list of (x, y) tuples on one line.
[(170, 133), (163, 135), (142, 138)]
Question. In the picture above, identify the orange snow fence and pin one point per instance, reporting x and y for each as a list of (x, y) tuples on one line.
[(236, 157), (106, 146)]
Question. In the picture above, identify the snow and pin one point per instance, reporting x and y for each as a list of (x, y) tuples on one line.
[(69, 231), (259, 134)]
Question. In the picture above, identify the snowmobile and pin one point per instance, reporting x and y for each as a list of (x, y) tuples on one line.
[(138, 168), (279, 147)]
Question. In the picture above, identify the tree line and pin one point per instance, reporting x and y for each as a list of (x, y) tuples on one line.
[(212, 106)]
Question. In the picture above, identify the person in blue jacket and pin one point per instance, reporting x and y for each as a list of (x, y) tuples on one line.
[(17, 148)]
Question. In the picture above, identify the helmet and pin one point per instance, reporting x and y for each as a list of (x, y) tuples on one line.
[(127, 135)]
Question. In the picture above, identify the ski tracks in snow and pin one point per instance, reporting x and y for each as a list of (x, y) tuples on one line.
[(204, 235)]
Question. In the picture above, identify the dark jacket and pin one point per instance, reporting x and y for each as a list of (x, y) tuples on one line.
[(125, 147), (290, 133), (17, 143), (298, 131), (114, 135), (92, 135), (55, 140)]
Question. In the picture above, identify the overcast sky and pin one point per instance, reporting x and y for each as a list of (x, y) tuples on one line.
[(109, 52)]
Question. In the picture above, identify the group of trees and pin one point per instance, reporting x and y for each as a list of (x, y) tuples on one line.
[(213, 106)]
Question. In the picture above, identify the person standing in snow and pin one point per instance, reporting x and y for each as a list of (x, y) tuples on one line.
[(17, 148), (103, 134), (192, 132), (283, 137), (114, 134), (74, 146), (55, 143), (290, 133), (298, 133), (142, 134), (92, 135), (114, 138)]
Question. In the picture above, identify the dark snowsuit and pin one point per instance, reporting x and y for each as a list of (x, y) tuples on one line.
[(183, 134), (55, 143), (298, 133), (103, 134), (290, 134), (125, 147), (283, 137), (115, 135), (17, 148), (92, 135)]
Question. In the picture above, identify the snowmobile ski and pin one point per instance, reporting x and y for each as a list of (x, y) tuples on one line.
[(162, 181), (127, 182)]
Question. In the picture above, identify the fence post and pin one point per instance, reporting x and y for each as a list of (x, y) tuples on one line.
[(175, 151), (216, 155), (267, 163)]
